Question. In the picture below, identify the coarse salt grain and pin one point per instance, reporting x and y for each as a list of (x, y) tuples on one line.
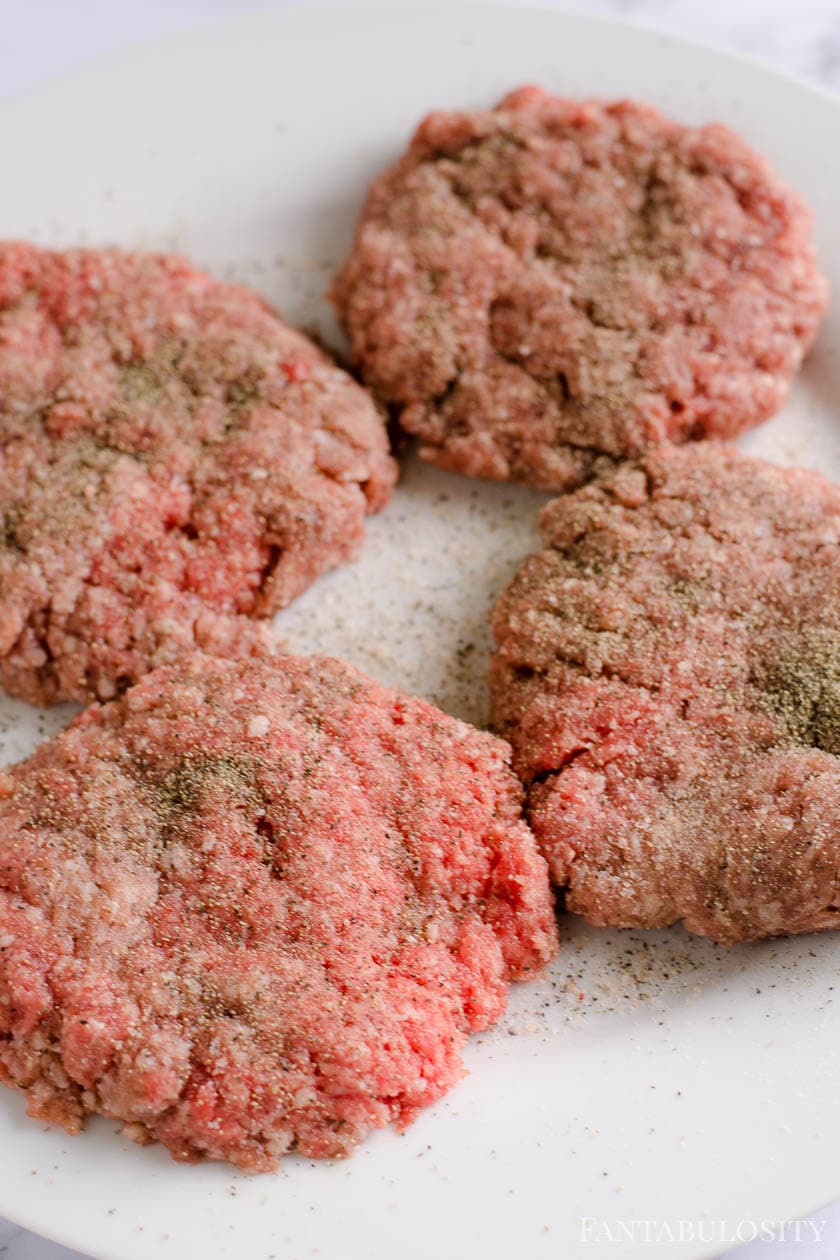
[(258, 726)]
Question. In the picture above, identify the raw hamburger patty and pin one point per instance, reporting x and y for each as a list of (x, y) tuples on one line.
[(257, 906), (668, 671), (174, 460), (537, 283)]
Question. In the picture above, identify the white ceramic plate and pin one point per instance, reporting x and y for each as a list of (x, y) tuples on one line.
[(648, 1077)]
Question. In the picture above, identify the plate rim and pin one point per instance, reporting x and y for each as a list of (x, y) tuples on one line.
[(255, 13)]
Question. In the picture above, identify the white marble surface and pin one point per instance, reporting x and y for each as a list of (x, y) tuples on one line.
[(44, 37)]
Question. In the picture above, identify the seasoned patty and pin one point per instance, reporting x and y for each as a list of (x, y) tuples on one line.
[(174, 461), (257, 906), (668, 671), (538, 283)]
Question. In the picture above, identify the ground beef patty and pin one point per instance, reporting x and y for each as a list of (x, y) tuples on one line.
[(257, 906), (173, 460), (668, 671), (537, 283)]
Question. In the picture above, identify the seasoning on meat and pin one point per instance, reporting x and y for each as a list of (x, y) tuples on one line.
[(257, 906), (534, 285), (174, 462), (668, 672)]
